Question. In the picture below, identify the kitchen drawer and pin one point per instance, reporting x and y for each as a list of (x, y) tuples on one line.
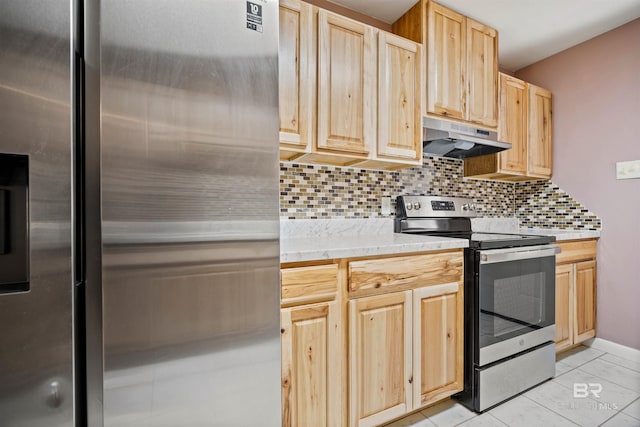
[(303, 285), (371, 276), (576, 251)]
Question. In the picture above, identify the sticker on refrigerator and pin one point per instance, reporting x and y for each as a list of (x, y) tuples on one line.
[(254, 17)]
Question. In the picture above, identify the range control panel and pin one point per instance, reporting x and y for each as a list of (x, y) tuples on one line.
[(420, 206), (442, 205)]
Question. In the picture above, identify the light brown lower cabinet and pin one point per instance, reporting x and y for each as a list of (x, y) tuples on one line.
[(585, 301), (438, 350), (310, 344), (370, 339), (575, 293), (405, 351), (564, 306), (311, 347), (380, 359)]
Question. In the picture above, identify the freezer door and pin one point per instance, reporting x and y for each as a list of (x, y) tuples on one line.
[(36, 373), (190, 212)]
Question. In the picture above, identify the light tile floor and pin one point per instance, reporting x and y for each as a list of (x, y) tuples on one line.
[(552, 403)]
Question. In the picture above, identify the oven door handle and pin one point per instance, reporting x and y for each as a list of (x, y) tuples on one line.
[(515, 254)]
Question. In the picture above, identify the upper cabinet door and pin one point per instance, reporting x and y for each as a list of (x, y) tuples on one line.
[(399, 95), (347, 76), (482, 73), (540, 132), (296, 60), (513, 124), (446, 64)]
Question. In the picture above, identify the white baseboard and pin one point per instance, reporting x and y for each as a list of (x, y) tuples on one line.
[(614, 348)]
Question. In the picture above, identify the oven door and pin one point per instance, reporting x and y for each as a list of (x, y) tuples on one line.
[(516, 300)]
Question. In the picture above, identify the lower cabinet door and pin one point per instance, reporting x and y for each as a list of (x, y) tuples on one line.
[(438, 342), (311, 364), (380, 358), (564, 306), (585, 301)]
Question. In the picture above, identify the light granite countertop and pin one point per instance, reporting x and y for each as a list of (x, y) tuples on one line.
[(562, 234), (312, 240), (510, 226), (320, 248)]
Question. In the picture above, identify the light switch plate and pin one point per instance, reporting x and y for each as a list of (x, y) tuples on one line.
[(386, 206), (628, 170)]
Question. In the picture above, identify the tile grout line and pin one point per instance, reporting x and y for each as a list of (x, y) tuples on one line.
[(573, 368), (568, 388), (549, 409), (629, 404), (562, 374), (617, 364), (578, 352), (497, 419), (620, 412), (607, 379), (598, 376)]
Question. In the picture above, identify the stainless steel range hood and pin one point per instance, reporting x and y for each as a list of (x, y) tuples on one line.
[(459, 141)]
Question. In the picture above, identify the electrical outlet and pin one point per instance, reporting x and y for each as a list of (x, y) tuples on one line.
[(386, 206)]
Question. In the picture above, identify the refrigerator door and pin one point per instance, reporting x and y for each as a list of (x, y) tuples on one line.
[(190, 212), (36, 287)]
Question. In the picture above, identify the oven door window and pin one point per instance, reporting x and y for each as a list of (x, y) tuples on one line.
[(516, 297)]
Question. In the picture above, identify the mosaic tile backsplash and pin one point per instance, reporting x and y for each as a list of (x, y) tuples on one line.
[(316, 191), (542, 204)]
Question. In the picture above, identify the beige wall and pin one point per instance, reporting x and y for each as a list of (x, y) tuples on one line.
[(324, 4), (596, 87)]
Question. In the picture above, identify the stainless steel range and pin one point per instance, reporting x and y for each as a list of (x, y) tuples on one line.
[(509, 299)]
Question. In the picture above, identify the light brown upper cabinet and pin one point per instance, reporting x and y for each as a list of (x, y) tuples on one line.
[(296, 61), (540, 132), (446, 62), (346, 84), (334, 107), (513, 125), (399, 107), (525, 121), (482, 74), (461, 62)]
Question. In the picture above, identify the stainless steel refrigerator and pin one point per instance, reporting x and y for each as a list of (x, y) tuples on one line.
[(139, 251)]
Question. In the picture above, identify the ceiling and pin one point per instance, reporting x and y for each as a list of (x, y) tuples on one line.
[(529, 30)]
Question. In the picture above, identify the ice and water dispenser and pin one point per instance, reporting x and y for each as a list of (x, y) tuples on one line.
[(14, 223)]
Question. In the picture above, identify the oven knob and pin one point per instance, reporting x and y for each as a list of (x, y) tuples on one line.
[(409, 207), (473, 206), (416, 205), (465, 207)]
